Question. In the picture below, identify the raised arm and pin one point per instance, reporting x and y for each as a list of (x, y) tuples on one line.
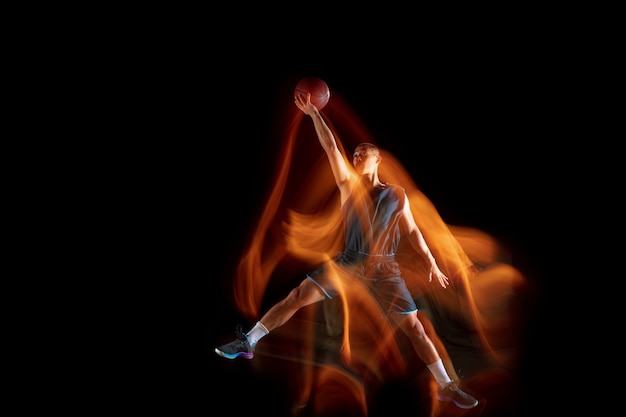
[(340, 169), (415, 237)]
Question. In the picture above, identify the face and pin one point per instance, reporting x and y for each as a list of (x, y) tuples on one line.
[(365, 159)]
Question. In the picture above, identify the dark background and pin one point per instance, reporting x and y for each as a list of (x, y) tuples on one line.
[(213, 120)]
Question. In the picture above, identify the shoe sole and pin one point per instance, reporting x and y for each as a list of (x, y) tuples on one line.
[(245, 355), (463, 406)]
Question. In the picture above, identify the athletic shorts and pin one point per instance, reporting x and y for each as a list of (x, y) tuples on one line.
[(380, 274)]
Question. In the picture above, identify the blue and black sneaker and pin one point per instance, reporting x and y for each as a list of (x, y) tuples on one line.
[(236, 348), (461, 399)]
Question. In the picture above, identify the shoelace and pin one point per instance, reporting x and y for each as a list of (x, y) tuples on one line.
[(241, 336)]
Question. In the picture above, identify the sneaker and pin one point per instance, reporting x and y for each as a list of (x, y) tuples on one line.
[(236, 348), (452, 392)]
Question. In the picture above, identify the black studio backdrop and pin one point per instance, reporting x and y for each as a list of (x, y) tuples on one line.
[(206, 130)]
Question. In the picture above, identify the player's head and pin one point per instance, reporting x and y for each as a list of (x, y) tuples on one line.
[(366, 157)]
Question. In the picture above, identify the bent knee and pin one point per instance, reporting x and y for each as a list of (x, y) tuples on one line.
[(410, 324), (305, 294)]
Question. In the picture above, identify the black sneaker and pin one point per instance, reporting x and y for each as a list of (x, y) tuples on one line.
[(452, 392), (236, 348)]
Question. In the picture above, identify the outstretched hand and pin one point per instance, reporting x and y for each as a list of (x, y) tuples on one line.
[(443, 279), (303, 102)]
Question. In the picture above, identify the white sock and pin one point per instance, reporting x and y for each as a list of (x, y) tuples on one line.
[(439, 372), (256, 333)]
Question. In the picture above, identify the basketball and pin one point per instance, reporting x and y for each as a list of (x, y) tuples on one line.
[(320, 93)]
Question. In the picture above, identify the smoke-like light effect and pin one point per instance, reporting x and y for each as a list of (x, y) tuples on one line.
[(342, 350)]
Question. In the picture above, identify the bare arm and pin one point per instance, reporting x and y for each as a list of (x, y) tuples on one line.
[(415, 237), (338, 165)]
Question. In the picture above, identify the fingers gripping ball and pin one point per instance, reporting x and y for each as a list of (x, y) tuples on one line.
[(320, 93)]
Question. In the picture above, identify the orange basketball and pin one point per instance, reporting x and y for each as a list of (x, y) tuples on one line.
[(320, 93)]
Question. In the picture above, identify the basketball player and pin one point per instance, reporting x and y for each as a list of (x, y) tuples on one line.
[(369, 255)]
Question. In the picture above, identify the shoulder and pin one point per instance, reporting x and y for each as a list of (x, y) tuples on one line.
[(396, 189), (393, 192)]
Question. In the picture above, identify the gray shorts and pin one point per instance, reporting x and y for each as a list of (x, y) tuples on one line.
[(381, 276)]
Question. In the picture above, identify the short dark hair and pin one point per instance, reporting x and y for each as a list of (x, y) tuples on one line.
[(370, 146)]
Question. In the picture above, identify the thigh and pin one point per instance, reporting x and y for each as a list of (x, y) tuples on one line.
[(309, 292), (407, 323)]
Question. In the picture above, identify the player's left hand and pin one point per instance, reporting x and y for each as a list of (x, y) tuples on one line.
[(436, 272)]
